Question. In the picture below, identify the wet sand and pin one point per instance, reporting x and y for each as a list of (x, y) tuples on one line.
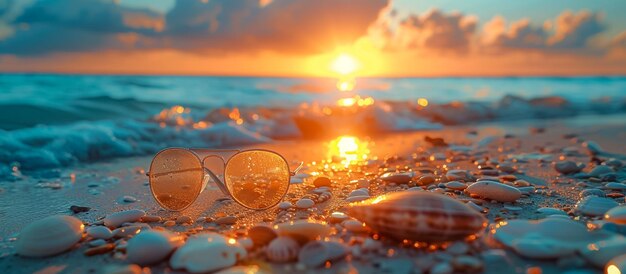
[(101, 186)]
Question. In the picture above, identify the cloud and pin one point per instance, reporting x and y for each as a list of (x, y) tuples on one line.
[(433, 30), (571, 32), (298, 26)]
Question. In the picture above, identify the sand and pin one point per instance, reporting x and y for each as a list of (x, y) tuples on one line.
[(102, 186)]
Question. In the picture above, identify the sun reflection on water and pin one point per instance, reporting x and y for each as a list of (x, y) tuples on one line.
[(349, 150)]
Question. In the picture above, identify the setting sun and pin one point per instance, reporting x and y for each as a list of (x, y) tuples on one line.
[(345, 64)]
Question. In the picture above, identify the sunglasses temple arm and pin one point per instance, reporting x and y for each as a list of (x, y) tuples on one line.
[(217, 181), (295, 171)]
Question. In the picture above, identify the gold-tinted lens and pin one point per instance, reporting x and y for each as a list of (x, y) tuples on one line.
[(257, 179), (175, 178)]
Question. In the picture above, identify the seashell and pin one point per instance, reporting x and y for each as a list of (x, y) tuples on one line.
[(419, 216), (49, 236), (118, 218), (601, 252), (207, 252), (303, 230), (316, 253), (494, 191), (282, 249), (616, 215), (548, 238), (397, 177), (100, 232), (150, 247), (261, 235), (616, 265), (594, 205)]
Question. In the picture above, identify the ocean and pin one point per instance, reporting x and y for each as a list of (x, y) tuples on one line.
[(50, 121)]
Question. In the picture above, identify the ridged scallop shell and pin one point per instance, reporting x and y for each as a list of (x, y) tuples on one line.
[(49, 236), (419, 216), (282, 249)]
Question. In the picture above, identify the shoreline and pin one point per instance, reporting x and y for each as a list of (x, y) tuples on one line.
[(102, 186)]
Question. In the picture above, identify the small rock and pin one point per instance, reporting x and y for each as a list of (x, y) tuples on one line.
[(261, 235), (494, 191), (467, 264), (78, 209), (184, 220), (442, 268), (600, 170), (590, 192), (305, 203), (226, 220), (105, 248), (615, 186), (594, 205), (616, 215), (118, 218), (97, 242), (456, 185), (426, 179), (49, 236), (285, 205), (193, 255), (353, 199), (397, 177), (567, 167), (150, 247), (359, 192), (551, 211), (129, 199), (322, 181), (354, 226), (100, 232)]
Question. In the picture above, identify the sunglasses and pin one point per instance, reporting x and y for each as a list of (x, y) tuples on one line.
[(256, 179)]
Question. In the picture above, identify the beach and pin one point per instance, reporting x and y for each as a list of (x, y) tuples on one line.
[(103, 187)]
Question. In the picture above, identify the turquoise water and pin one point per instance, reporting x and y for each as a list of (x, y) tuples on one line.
[(54, 121)]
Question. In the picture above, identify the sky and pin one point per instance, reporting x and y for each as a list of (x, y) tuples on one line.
[(395, 38)]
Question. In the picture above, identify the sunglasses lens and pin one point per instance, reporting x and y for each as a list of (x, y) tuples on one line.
[(257, 179), (175, 178)]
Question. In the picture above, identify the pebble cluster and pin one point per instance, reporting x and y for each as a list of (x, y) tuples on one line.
[(443, 209)]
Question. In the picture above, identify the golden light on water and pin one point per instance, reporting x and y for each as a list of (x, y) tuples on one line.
[(422, 102), (356, 100), (346, 84), (349, 149)]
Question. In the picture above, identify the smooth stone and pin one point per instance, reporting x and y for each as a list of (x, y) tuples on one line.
[(285, 205), (99, 232), (467, 264), (567, 167), (354, 226), (79, 209), (548, 238), (261, 235), (615, 186), (226, 220), (616, 265), (316, 253), (426, 179), (322, 181), (551, 211), (184, 219), (359, 192), (305, 203), (118, 218), (282, 249), (49, 236), (494, 191), (442, 268), (600, 170), (337, 217), (513, 208), (601, 252), (194, 255), (397, 177), (456, 185), (357, 199), (303, 230), (458, 248), (590, 192), (616, 215), (149, 247), (129, 199), (97, 242), (243, 269), (123, 269), (594, 205)]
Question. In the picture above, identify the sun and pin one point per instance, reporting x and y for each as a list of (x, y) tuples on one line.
[(344, 64)]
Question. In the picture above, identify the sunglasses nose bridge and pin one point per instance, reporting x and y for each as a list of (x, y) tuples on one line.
[(208, 174)]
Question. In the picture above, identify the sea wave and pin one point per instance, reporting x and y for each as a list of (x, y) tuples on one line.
[(55, 146)]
